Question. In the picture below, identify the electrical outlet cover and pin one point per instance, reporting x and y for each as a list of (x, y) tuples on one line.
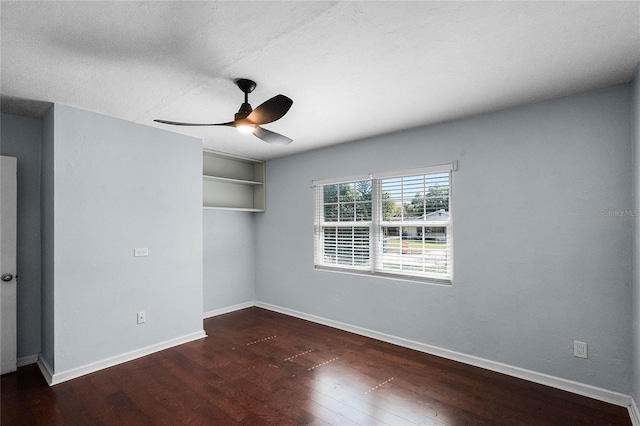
[(579, 349)]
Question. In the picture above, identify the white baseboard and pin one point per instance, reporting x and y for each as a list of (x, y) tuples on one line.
[(54, 378), (45, 369), (26, 360), (532, 376), (634, 413), (228, 309), (600, 394)]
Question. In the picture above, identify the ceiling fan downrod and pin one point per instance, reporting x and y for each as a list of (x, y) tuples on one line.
[(247, 86)]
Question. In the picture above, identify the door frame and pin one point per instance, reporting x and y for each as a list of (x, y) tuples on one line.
[(8, 264)]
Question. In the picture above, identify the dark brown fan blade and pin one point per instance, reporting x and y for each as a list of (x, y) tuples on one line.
[(271, 137), (271, 110), (177, 123)]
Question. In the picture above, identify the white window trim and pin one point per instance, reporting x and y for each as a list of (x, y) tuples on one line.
[(375, 226), (439, 168)]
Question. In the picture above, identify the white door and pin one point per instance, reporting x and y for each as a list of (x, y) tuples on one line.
[(8, 292)]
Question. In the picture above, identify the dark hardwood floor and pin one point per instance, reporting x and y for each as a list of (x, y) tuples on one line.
[(260, 367)]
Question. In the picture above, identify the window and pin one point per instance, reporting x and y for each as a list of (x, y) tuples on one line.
[(346, 224), (391, 224)]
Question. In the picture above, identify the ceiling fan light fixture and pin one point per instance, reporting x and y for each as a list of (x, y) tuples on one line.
[(249, 120), (246, 128)]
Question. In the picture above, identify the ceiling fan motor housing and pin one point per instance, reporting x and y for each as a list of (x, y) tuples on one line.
[(246, 85), (243, 112)]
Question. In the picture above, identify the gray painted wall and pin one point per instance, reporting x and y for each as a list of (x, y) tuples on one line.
[(229, 258), (228, 239), (540, 259), (20, 138), (118, 186)]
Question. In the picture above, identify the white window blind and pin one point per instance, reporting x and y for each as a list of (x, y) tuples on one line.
[(392, 224), (343, 224)]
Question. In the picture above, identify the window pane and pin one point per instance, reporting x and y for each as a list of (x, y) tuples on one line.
[(415, 249), (329, 244), (436, 235), (352, 246), (391, 239), (345, 246), (361, 246), (331, 213), (363, 211), (415, 197), (391, 198), (390, 208), (437, 193), (348, 192), (407, 246), (347, 212), (364, 190), (347, 202), (330, 193)]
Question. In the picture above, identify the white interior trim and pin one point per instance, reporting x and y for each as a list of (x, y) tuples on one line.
[(27, 360), (427, 170), (45, 369), (228, 309), (600, 394), (634, 413), (438, 168), (344, 179), (53, 378)]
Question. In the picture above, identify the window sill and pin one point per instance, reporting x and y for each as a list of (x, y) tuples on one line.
[(385, 275)]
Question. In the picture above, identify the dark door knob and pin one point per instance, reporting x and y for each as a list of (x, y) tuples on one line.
[(6, 277)]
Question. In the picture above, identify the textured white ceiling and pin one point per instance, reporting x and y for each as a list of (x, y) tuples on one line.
[(353, 69)]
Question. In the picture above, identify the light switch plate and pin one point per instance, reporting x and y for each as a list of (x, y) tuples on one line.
[(138, 252)]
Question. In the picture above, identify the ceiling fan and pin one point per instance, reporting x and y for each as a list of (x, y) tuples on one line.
[(248, 120)]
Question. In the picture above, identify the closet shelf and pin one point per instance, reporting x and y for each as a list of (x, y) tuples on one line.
[(231, 180), (232, 183)]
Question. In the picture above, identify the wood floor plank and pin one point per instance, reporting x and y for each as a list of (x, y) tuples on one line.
[(261, 367), (188, 393), (429, 407), (239, 397), (266, 389), (440, 389)]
